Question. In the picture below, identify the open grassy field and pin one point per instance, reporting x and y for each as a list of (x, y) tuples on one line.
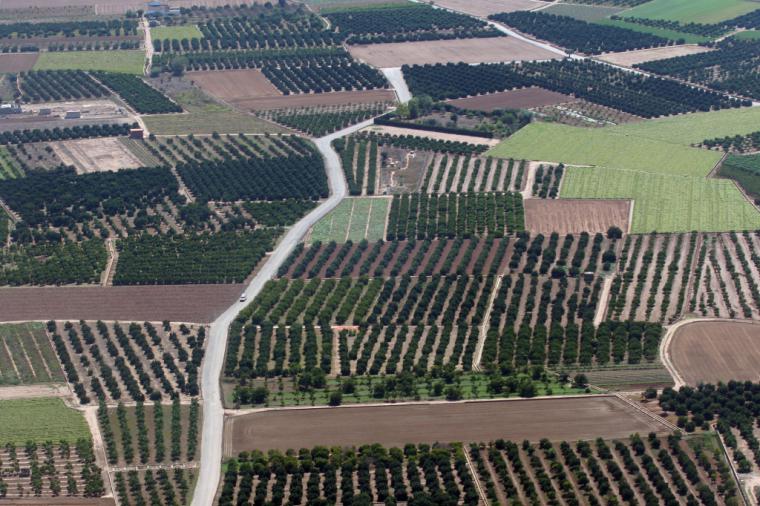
[(604, 147), (693, 11), (175, 32), (205, 116), (127, 62), (745, 170), (689, 38), (748, 35), (40, 420), (695, 127), (666, 203), (26, 355), (354, 219)]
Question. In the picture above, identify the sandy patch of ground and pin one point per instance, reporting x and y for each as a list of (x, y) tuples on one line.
[(441, 136), (17, 62), (571, 216), (493, 49), (29, 391), (556, 419), (712, 351), (524, 98), (483, 8), (96, 155), (630, 58), (181, 303)]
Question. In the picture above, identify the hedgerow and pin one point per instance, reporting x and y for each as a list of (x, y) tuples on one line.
[(58, 263), (59, 134)]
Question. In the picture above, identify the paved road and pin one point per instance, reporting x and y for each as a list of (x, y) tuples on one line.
[(396, 78), (213, 413)]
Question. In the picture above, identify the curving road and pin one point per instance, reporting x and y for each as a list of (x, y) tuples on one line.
[(213, 412)]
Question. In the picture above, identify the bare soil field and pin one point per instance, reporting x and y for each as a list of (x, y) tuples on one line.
[(32, 391), (316, 99), (483, 8), (63, 501), (497, 49), (515, 99), (96, 155), (181, 303), (556, 419), (712, 351), (570, 216), (630, 58), (17, 62), (234, 85)]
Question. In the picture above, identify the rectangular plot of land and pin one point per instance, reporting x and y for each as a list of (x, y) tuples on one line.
[(494, 49), (96, 155), (515, 99), (571, 216), (555, 419), (353, 219), (630, 58), (234, 85), (17, 62), (26, 355)]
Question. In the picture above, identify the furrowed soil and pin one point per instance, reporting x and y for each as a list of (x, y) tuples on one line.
[(181, 303), (18, 62), (630, 58), (712, 351), (569, 216), (514, 99), (494, 49), (556, 419)]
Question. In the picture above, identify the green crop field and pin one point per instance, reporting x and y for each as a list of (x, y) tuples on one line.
[(40, 420), (204, 116), (127, 62), (9, 169), (354, 219), (745, 170), (693, 11), (695, 127), (26, 355), (583, 12), (688, 38), (175, 32), (666, 203), (748, 35), (604, 147)]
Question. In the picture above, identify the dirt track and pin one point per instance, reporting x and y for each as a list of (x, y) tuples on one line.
[(556, 419), (571, 216), (496, 49), (190, 303), (712, 351)]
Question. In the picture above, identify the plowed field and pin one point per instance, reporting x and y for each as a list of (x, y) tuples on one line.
[(556, 419), (514, 99), (712, 351), (569, 216)]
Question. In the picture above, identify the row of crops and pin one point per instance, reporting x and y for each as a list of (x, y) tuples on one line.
[(602, 84)]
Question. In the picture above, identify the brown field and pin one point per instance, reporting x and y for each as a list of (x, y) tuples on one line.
[(515, 99), (570, 216), (630, 58), (317, 99), (250, 90), (235, 85), (483, 8), (556, 419), (496, 49), (96, 155), (181, 303), (19, 62), (713, 351), (62, 501)]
